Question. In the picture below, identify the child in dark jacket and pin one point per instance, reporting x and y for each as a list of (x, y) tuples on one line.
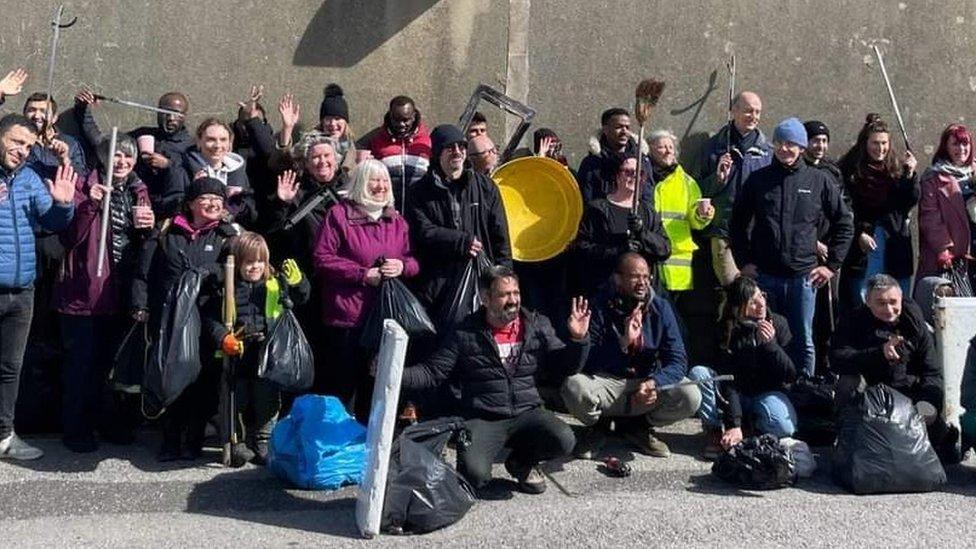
[(259, 296), (754, 352)]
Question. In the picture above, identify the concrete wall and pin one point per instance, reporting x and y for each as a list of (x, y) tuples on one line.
[(806, 58)]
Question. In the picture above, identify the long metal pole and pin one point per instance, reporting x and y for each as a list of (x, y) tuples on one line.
[(891, 95), (128, 103), (106, 203)]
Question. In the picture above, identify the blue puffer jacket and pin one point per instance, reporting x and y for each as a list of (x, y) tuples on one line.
[(25, 204)]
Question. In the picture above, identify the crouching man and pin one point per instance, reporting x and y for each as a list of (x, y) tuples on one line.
[(887, 341), (637, 348), (494, 356)]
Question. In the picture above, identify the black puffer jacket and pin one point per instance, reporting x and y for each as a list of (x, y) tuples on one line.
[(758, 368), (443, 223), (489, 390), (857, 349)]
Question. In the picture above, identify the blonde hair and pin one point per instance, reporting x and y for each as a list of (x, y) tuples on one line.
[(250, 246), (361, 175)]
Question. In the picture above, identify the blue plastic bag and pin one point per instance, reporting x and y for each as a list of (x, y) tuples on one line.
[(318, 446)]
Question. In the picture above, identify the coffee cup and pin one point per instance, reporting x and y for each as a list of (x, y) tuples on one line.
[(146, 144)]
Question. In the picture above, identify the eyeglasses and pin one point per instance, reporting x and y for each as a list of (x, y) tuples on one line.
[(492, 150)]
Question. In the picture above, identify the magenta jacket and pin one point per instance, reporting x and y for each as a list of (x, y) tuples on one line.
[(942, 222), (348, 244), (77, 290)]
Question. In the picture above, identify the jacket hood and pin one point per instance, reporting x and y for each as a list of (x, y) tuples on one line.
[(596, 147)]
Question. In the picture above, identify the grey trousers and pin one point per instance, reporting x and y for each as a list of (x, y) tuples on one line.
[(589, 398)]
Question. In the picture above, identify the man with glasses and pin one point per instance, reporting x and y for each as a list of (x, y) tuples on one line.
[(159, 147), (483, 154), (636, 349), (25, 203), (774, 230), (456, 214)]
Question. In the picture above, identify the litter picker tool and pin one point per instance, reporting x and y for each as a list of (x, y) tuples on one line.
[(730, 65), (228, 406), (136, 105), (689, 382), (648, 93), (56, 26), (891, 95), (106, 203), (555, 482)]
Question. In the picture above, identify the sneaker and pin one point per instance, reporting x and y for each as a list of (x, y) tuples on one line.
[(589, 442), (13, 447), (713, 445), (642, 436), (530, 480)]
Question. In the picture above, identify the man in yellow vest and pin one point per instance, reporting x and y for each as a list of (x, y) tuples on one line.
[(678, 199)]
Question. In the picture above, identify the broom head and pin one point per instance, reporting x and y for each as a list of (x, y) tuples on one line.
[(648, 93)]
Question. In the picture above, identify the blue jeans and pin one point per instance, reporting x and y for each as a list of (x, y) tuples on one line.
[(771, 412), (875, 265), (796, 299)]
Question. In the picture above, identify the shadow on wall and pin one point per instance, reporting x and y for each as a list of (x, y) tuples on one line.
[(343, 32)]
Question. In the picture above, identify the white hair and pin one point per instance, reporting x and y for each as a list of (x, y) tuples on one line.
[(658, 135), (361, 175)]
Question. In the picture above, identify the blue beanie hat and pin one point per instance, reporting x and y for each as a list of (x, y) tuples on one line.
[(791, 130)]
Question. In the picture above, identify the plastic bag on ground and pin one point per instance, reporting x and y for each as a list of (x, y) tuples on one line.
[(463, 298), (175, 358), (883, 447), (318, 446), (397, 303), (286, 357), (813, 399), (425, 493), (757, 463), (803, 458)]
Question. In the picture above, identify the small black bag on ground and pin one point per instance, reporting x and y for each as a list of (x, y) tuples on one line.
[(423, 492), (463, 298), (813, 399), (882, 446), (757, 463), (397, 302), (175, 357), (286, 357)]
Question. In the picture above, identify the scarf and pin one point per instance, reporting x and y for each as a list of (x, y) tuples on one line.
[(662, 172), (183, 222), (962, 174)]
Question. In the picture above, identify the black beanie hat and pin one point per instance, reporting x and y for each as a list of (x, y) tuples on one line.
[(442, 136), (205, 185), (334, 103), (816, 127)]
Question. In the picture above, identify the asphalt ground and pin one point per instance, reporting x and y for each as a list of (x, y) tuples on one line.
[(121, 497)]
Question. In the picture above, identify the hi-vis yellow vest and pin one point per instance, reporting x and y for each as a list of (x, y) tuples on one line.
[(676, 198)]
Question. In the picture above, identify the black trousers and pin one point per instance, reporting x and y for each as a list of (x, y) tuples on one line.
[(345, 371), (16, 311), (533, 436), (90, 343)]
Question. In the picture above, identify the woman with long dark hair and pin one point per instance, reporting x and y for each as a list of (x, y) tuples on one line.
[(882, 188)]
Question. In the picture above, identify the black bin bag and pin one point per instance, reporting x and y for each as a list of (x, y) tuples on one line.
[(463, 298), (882, 446), (423, 492), (398, 303), (813, 399), (175, 357), (286, 357), (757, 463)]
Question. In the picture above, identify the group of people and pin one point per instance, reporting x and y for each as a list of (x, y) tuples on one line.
[(765, 236)]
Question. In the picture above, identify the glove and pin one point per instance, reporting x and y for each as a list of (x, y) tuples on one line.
[(634, 224), (231, 346), (293, 275), (945, 259), (140, 315), (633, 245)]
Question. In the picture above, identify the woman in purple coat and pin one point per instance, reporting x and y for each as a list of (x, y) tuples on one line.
[(93, 307), (354, 235)]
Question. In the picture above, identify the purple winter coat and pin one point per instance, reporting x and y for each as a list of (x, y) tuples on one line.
[(348, 244), (942, 222), (78, 290)]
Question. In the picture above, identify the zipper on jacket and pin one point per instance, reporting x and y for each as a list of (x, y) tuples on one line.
[(13, 211)]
